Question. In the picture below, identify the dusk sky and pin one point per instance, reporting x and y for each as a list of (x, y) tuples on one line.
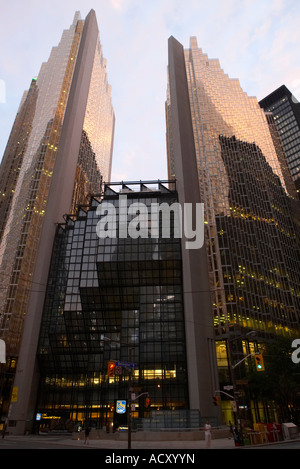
[(256, 41)]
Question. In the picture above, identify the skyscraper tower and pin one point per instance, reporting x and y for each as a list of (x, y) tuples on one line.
[(286, 112), (201, 360), (59, 150), (218, 133)]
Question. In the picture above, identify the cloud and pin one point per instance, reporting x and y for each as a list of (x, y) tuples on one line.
[(118, 5)]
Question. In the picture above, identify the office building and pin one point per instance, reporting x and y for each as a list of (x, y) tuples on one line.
[(117, 298), (285, 109), (59, 150), (219, 134)]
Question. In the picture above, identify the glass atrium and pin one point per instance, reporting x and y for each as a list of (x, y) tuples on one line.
[(112, 299)]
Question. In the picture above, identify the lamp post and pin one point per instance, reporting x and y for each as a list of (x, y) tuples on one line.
[(130, 400), (129, 397), (232, 373)]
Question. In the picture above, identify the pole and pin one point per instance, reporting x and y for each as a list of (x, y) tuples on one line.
[(232, 373), (226, 394), (130, 348), (243, 359), (129, 399)]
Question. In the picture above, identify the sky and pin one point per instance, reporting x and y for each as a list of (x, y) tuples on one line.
[(256, 41)]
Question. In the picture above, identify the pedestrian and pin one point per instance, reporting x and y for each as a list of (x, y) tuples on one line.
[(207, 432), (231, 428), (237, 436), (86, 435)]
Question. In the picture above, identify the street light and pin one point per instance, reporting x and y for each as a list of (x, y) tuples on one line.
[(232, 372), (130, 399)]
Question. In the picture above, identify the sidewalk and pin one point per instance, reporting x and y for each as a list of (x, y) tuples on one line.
[(175, 445), (223, 443), (58, 440), (220, 443)]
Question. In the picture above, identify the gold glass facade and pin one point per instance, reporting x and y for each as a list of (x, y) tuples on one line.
[(99, 118), (252, 223), (252, 230), (29, 163)]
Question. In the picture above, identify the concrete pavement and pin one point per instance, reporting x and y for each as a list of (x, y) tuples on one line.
[(58, 441), (114, 445), (223, 443), (109, 446)]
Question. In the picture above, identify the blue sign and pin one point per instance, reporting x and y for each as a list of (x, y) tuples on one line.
[(127, 364), (121, 407)]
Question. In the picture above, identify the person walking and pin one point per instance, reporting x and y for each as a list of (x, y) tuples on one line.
[(86, 435), (207, 432)]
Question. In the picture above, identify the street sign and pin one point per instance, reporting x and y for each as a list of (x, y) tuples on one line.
[(121, 407), (118, 370), (126, 364)]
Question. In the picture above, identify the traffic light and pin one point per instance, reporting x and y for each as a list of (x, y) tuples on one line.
[(216, 400), (259, 362), (148, 402), (111, 368)]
